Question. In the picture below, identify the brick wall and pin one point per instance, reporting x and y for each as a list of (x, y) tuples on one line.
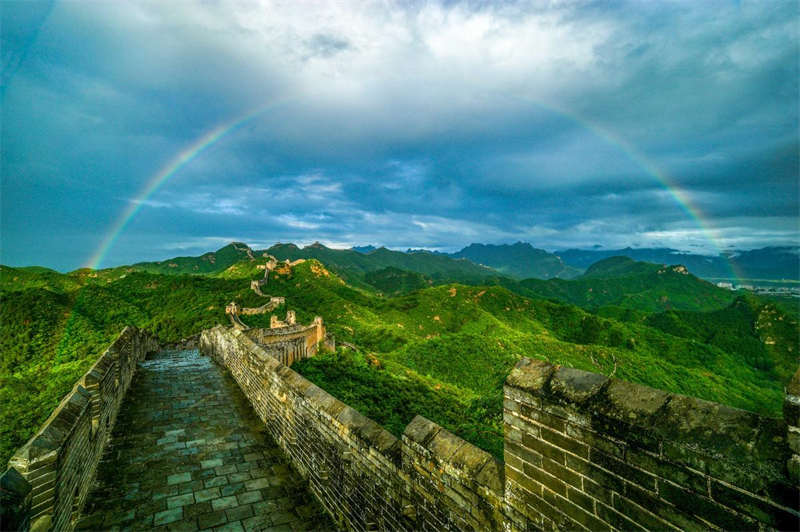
[(59, 462), (583, 451), (364, 476)]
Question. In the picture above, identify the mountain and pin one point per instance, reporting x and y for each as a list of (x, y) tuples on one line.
[(751, 328), (625, 283), (353, 266), (439, 351), (769, 263), (432, 251), (206, 263), (620, 267), (393, 281), (364, 249), (765, 263), (519, 261)]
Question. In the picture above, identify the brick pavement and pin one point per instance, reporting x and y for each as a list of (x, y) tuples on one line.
[(188, 454)]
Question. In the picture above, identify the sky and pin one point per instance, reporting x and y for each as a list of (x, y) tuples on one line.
[(404, 124)]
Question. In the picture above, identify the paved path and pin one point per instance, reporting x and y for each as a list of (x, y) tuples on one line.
[(188, 453)]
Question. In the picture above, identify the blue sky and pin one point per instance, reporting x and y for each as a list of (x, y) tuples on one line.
[(403, 124)]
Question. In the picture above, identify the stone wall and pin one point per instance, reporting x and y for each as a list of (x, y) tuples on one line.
[(59, 462), (364, 476), (583, 451), (290, 341)]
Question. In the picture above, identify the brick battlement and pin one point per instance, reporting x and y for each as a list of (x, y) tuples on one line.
[(582, 452)]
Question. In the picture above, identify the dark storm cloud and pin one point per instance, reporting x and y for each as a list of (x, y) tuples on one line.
[(434, 124)]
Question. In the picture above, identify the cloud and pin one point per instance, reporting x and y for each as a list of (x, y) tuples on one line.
[(405, 124)]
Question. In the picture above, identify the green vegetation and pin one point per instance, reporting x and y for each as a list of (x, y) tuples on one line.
[(393, 281), (625, 283), (352, 266), (519, 261), (55, 327), (439, 351), (393, 398)]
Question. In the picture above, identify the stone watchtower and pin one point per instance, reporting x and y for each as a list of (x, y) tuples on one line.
[(233, 308)]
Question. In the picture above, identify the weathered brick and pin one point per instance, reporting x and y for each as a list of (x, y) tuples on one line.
[(622, 469), (540, 416), (593, 439), (616, 519), (564, 442), (579, 515), (703, 507), (756, 507), (543, 448), (580, 498), (540, 476), (603, 478), (662, 468), (639, 515)]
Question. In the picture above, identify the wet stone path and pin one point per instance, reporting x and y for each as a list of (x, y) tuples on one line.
[(188, 453)]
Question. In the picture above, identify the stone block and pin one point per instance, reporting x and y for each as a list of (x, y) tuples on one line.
[(421, 430), (530, 375), (629, 402), (576, 386), (720, 429)]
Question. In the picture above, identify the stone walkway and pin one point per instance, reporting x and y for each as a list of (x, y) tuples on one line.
[(188, 453)]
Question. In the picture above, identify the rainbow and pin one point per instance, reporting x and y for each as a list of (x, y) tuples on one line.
[(186, 156), (681, 198), (193, 151)]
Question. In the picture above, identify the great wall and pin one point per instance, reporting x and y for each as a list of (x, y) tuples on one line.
[(249, 444)]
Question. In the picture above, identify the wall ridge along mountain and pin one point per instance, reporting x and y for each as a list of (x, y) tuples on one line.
[(582, 452)]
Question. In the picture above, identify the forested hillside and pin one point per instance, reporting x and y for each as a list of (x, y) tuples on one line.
[(440, 351), (625, 283)]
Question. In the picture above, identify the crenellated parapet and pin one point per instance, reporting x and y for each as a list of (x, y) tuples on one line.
[(586, 451), (289, 341), (582, 452)]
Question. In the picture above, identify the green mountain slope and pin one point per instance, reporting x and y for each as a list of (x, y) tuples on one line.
[(519, 261), (625, 283), (206, 263), (442, 351), (754, 330), (353, 266), (393, 281)]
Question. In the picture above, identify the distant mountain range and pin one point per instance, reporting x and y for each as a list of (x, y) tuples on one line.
[(523, 261), (765, 263), (518, 261)]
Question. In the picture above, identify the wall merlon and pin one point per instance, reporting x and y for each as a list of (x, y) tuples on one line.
[(530, 375), (325, 401), (421, 430), (575, 386)]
